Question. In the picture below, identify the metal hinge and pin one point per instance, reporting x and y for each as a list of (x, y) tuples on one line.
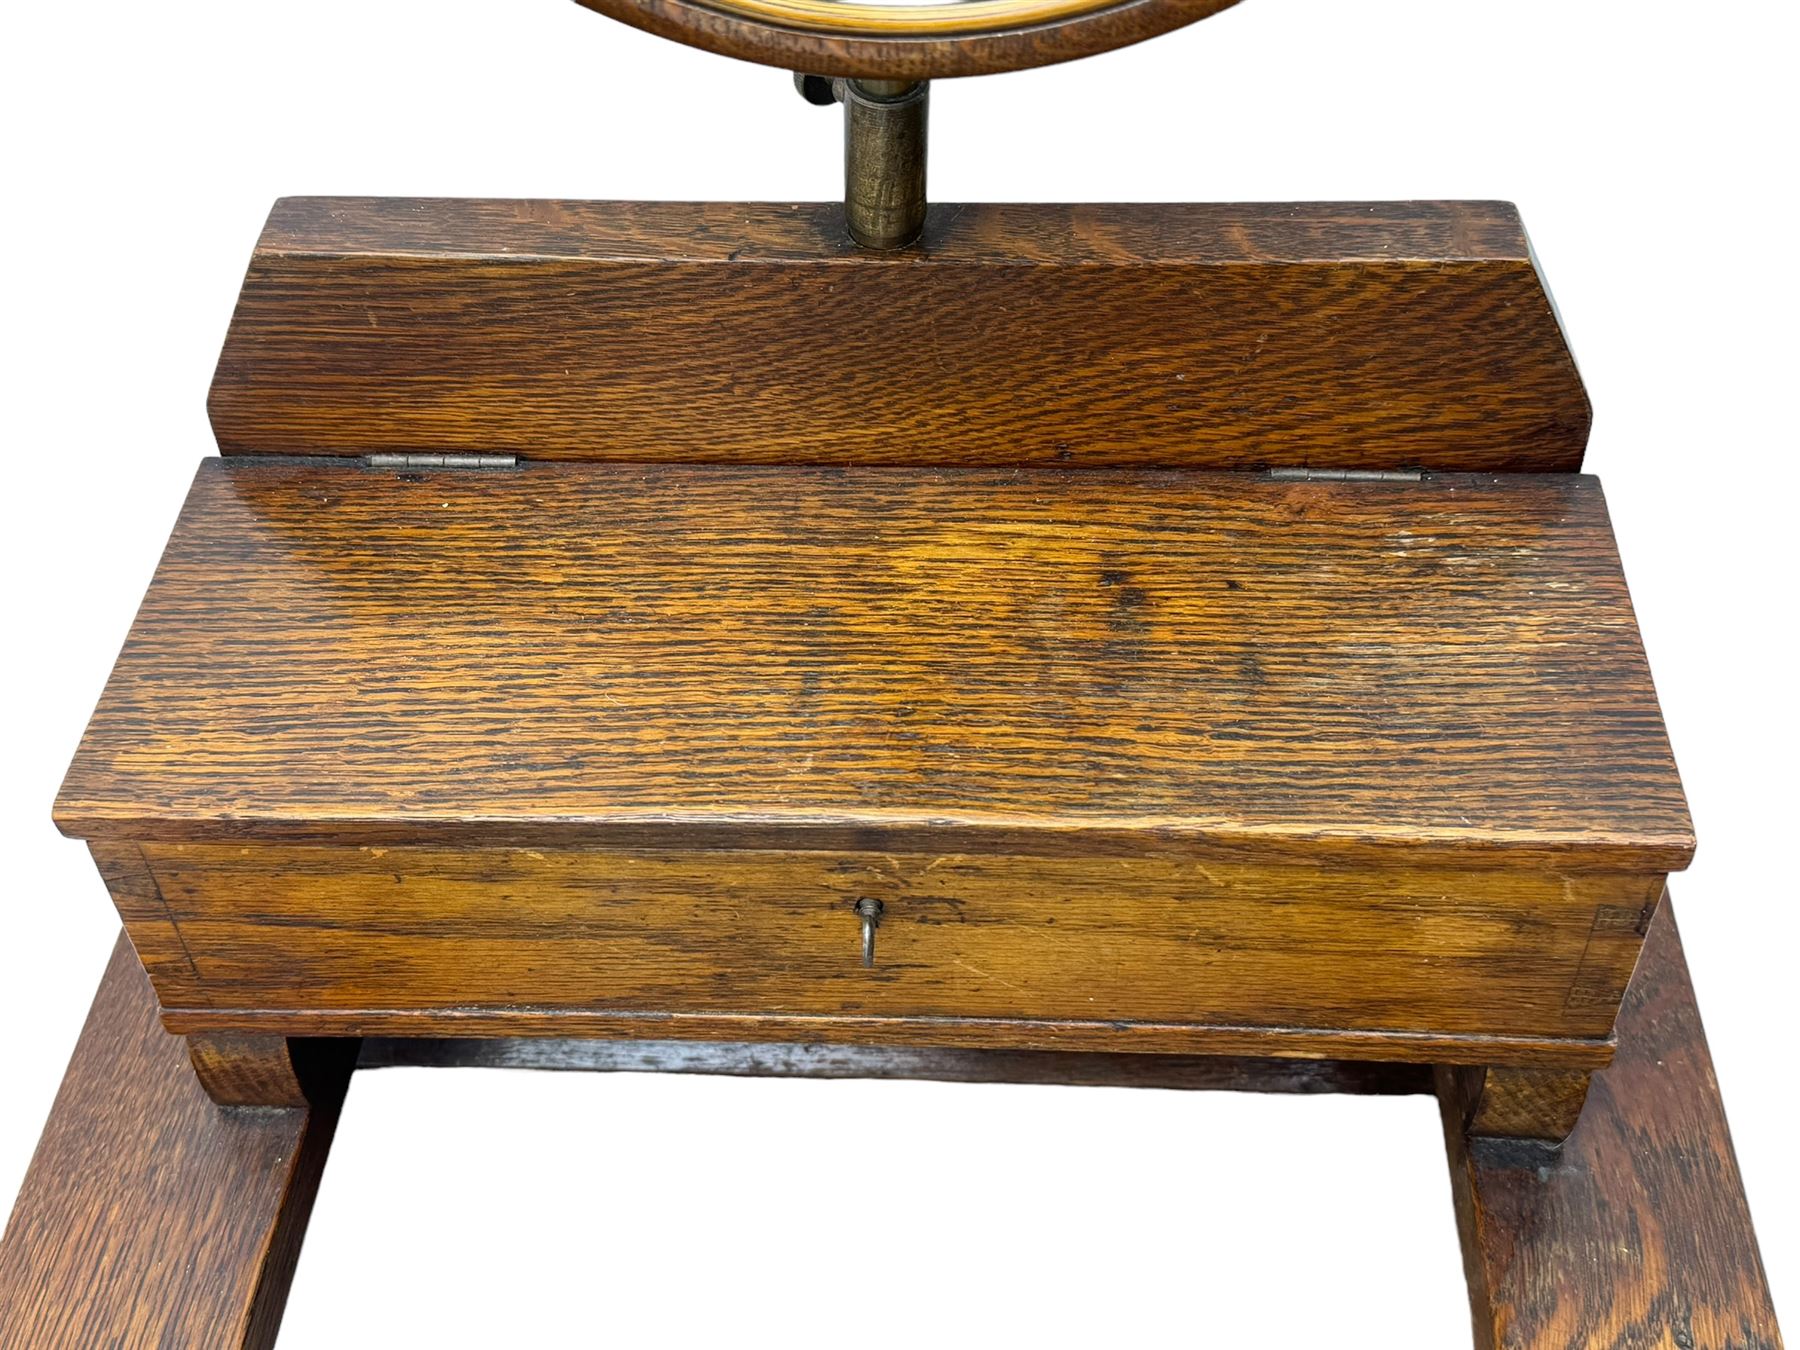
[(1348, 475), (440, 461)]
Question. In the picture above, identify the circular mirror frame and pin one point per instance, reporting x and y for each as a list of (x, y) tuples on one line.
[(908, 42)]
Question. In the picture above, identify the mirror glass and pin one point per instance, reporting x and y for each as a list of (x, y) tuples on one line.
[(950, 16)]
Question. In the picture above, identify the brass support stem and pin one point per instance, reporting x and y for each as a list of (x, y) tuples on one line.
[(884, 160)]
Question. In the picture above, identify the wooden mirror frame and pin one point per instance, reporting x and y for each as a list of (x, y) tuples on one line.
[(908, 42)]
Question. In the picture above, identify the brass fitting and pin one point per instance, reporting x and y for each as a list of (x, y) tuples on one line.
[(884, 155)]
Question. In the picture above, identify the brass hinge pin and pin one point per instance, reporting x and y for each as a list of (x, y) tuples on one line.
[(1348, 475), (420, 461)]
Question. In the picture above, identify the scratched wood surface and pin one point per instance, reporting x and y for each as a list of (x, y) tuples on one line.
[(1638, 1235), (149, 1216), (1391, 335), (1037, 662)]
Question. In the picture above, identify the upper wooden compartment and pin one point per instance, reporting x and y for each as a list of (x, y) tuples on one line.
[(954, 661), (1390, 336)]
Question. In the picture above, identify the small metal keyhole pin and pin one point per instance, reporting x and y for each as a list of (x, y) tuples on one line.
[(870, 913)]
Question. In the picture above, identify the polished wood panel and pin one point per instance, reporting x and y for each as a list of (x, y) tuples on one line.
[(1373, 336), (151, 1217), (1637, 1232), (956, 38), (956, 662), (690, 936)]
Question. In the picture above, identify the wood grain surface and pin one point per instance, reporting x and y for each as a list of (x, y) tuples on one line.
[(1524, 1105), (984, 38), (690, 938), (1096, 1035), (1375, 336), (1637, 1236), (150, 1217), (238, 1070), (951, 662)]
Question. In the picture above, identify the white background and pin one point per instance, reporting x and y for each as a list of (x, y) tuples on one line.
[(1650, 146)]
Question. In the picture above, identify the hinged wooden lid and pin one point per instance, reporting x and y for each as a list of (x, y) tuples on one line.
[(1111, 662)]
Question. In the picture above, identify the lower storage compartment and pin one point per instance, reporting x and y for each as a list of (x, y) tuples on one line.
[(1081, 946)]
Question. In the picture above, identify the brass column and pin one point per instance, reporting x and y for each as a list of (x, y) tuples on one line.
[(884, 161), (884, 155)]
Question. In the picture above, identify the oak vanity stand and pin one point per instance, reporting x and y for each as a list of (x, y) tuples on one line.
[(1159, 645), (1120, 747)]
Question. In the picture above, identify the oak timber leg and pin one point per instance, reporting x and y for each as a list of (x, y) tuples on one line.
[(149, 1216), (268, 1070), (1526, 1106), (1636, 1233)]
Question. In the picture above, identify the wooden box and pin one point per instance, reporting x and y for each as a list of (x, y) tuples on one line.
[(1171, 629)]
